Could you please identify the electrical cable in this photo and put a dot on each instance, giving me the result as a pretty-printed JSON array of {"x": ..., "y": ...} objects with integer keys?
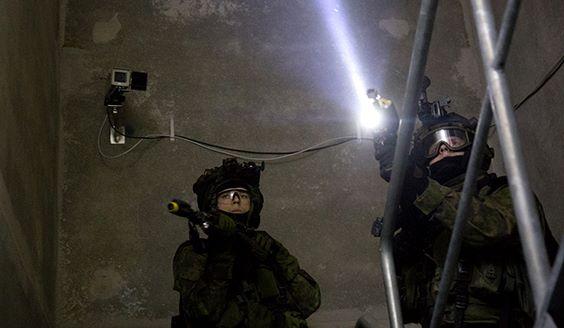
[
  {"x": 218, "y": 148},
  {"x": 262, "y": 152},
  {"x": 547, "y": 77},
  {"x": 120, "y": 154},
  {"x": 286, "y": 154},
  {"x": 315, "y": 147},
  {"x": 203, "y": 143}
]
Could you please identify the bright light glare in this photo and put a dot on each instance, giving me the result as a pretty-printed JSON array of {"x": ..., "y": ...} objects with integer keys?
[
  {"x": 370, "y": 118},
  {"x": 335, "y": 20}
]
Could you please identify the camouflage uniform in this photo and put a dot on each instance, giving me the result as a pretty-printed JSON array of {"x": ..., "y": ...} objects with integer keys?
[
  {"x": 491, "y": 287},
  {"x": 496, "y": 287},
  {"x": 224, "y": 284}
]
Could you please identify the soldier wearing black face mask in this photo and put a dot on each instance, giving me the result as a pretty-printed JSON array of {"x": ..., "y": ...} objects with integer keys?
[
  {"x": 442, "y": 146},
  {"x": 491, "y": 287}
]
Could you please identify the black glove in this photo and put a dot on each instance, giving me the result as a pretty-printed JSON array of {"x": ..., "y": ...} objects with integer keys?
[
  {"x": 391, "y": 119},
  {"x": 385, "y": 137},
  {"x": 384, "y": 149},
  {"x": 222, "y": 223}
]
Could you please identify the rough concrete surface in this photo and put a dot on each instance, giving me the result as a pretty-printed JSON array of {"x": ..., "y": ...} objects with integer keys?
[
  {"x": 29, "y": 134},
  {"x": 263, "y": 75}
]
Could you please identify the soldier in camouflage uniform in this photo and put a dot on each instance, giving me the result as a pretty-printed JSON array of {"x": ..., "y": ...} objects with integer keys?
[
  {"x": 239, "y": 276},
  {"x": 491, "y": 287}
]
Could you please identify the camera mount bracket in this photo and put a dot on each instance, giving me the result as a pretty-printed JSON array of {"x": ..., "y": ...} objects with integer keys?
[{"x": 122, "y": 81}]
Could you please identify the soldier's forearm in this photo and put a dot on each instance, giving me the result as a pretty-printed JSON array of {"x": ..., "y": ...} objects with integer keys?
[
  {"x": 432, "y": 197},
  {"x": 489, "y": 220},
  {"x": 305, "y": 293},
  {"x": 284, "y": 264}
]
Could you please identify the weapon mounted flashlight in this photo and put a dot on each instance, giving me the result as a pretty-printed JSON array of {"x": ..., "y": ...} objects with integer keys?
[
  {"x": 183, "y": 209},
  {"x": 372, "y": 117}
]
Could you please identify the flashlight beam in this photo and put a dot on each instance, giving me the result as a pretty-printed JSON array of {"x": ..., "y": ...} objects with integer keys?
[{"x": 335, "y": 20}]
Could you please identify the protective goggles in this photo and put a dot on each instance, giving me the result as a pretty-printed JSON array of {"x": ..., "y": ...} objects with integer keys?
[
  {"x": 229, "y": 195},
  {"x": 453, "y": 138}
]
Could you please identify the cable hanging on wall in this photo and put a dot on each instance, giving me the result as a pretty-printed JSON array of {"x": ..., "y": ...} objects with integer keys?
[
  {"x": 547, "y": 77},
  {"x": 229, "y": 151},
  {"x": 120, "y": 84}
]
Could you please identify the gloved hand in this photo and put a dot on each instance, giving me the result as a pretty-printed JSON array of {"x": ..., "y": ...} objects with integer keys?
[
  {"x": 261, "y": 245},
  {"x": 390, "y": 119},
  {"x": 384, "y": 149},
  {"x": 385, "y": 136},
  {"x": 223, "y": 224}
]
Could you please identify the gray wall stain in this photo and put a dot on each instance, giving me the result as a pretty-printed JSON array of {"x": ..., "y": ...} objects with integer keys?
[
  {"x": 398, "y": 28},
  {"x": 106, "y": 283},
  {"x": 187, "y": 11},
  {"x": 465, "y": 70},
  {"x": 106, "y": 31}
]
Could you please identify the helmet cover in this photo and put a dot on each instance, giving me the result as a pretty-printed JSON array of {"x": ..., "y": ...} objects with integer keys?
[{"x": 231, "y": 174}]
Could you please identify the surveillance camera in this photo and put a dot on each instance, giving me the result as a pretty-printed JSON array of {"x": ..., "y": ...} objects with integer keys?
[
  {"x": 129, "y": 80},
  {"x": 121, "y": 78}
]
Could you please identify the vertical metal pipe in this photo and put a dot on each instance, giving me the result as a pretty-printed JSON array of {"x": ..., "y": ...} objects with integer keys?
[
  {"x": 416, "y": 71},
  {"x": 464, "y": 205},
  {"x": 476, "y": 156},
  {"x": 523, "y": 202},
  {"x": 506, "y": 33}
]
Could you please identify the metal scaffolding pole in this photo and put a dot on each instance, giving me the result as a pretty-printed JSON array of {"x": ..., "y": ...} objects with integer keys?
[
  {"x": 523, "y": 202},
  {"x": 554, "y": 292},
  {"x": 506, "y": 33},
  {"x": 464, "y": 205},
  {"x": 405, "y": 132},
  {"x": 474, "y": 164}
]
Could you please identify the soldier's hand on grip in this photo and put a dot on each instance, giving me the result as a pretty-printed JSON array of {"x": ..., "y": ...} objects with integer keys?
[{"x": 223, "y": 224}]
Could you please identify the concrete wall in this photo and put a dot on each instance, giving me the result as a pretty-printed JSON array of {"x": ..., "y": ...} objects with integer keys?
[
  {"x": 29, "y": 136},
  {"x": 537, "y": 46},
  {"x": 262, "y": 75}
]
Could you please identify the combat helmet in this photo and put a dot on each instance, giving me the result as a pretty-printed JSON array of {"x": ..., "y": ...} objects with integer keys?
[
  {"x": 231, "y": 174},
  {"x": 440, "y": 127}
]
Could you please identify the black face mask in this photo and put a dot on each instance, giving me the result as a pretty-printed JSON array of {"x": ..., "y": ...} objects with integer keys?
[{"x": 449, "y": 168}]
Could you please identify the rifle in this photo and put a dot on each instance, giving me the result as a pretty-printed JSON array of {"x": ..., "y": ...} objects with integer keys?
[{"x": 206, "y": 222}]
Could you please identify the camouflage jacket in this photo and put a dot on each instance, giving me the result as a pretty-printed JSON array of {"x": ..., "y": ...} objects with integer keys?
[
  {"x": 497, "y": 288},
  {"x": 226, "y": 286}
]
